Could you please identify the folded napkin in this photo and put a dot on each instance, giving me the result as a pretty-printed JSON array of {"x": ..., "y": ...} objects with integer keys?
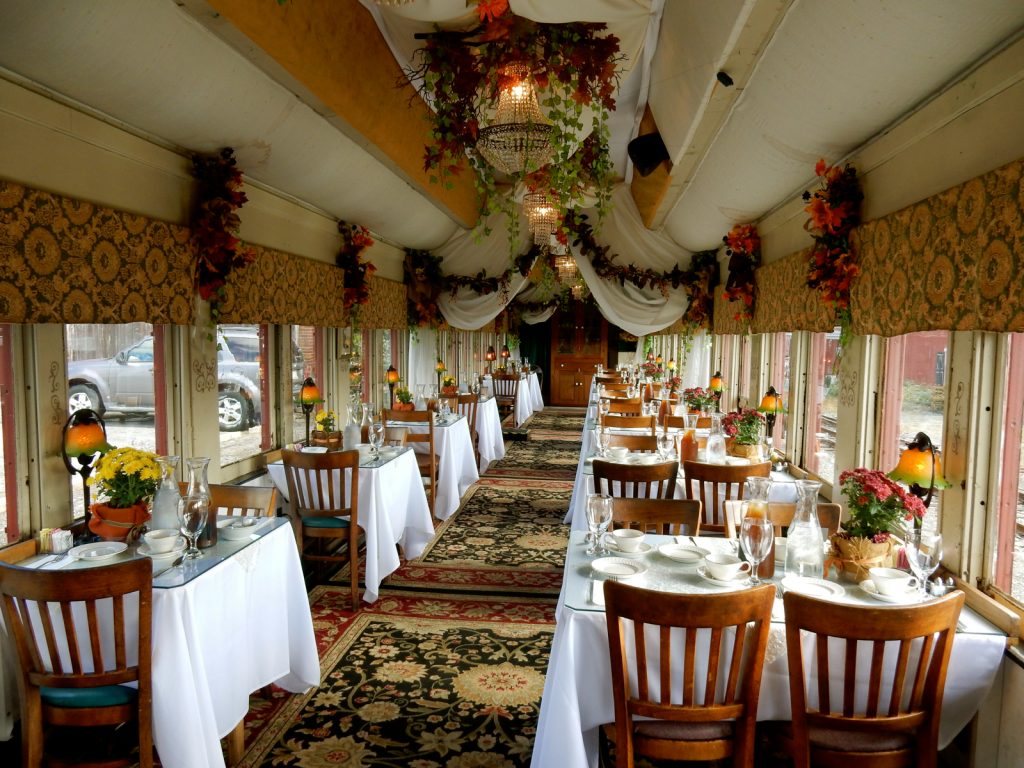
[{"x": 50, "y": 562}]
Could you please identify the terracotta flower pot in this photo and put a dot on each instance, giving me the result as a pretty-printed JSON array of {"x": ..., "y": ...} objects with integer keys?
[
  {"x": 451, "y": 391},
  {"x": 405, "y": 406},
  {"x": 854, "y": 556},
  {"x": 117, "y": 523},
  {"x": 330, "y": 440}
]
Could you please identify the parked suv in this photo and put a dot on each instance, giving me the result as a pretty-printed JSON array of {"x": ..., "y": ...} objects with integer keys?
[{"x": 124, "y": 383}]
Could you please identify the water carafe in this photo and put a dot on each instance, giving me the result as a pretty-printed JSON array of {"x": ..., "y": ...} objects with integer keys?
[
  {"x": 165, "y": 500},
  {"x": 351, "y": 436},
  {"x": 805, "y": 554},
  {"x": 716, "y": 441},
  {"x": 198, "y": 485}
]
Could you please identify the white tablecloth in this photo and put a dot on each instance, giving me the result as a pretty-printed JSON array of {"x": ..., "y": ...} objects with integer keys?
[
  {"x": 393, "y": 510},
  {"x": 456, "y": 463},
  {"x": 488, "y": 430},
  {"x": 577, "y": 696},
  {"x": 536, "y": 398},
  {"x": 525, "y": 398}
]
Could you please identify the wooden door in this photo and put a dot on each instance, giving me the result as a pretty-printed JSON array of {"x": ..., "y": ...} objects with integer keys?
[{"x": 579, "y": 341}]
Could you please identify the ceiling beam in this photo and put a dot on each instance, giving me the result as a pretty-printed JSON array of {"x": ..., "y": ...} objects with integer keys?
[{"x": 332, "y": 56}]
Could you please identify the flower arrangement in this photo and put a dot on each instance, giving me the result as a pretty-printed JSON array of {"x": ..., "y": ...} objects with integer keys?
[
  {"x": 215, "y": 226},
  {"x": 448, "y": 381},
  {"x": 834, "y": 209},
  {"x": 325, "y": 420},
  {"x": 699, "y": 399},
  {"x": 743, "y": 247},
  {"x": 745, "y": 426},
  {"x": 355, "y": 239},
  {"x": 126, "y": 476},
  {"x": 674, "y": 383},
  {"x": 403, "y": 395},
  {"x": 877, "y": 506},
  {"x": 651, "y": 370}
]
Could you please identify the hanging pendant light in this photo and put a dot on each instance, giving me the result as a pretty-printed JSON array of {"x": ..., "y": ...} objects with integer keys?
[
  {"x": 518, "y": 140},
  {"x": 565, "y": 267},
  {"x": 543, "y": 215}
]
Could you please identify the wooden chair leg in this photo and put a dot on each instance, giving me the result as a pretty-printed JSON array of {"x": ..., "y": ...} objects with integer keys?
[
  {"x": 236, "y": 743},
  {"x": 353, "y": 561}
]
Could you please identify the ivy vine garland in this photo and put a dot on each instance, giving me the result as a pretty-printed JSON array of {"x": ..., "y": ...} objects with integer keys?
[
  {"x": 215, "y": 225},
  {"x": 743, "y": 247}
]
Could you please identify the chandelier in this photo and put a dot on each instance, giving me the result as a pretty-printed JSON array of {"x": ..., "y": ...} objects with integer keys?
[
  {"x": 565, "y": 268},
  {"x": 579, "y": 290},
  {"x": 542, "y": 213},
  {"x": 518, "y": 140}
]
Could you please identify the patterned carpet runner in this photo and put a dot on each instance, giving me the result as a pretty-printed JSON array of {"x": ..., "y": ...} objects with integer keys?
[{"x": 447, "y": 667}]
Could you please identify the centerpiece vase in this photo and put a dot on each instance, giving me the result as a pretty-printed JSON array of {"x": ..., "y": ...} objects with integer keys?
[
  {"x": 199, "y": 485},
  {"x": 167, "y": 496}
]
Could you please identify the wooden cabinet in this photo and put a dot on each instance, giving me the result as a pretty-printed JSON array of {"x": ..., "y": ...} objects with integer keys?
[{"x": 579, "y": 341}]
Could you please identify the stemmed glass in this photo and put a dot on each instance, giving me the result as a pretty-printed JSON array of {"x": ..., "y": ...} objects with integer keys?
[
  {"x": 756, "y": 537},
  {"x": 924, "y": 552},
  {"x": 192, "y": 512},
  {"x": 604, "y": 406},
  {"x": 666, "y": 444},
  {"x": 599, "y": 517},
  {"x": 376, "y": 437},
  {"x": 599, "y": 441}
]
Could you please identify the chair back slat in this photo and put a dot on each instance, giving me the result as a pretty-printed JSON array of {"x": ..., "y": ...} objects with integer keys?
[
  {"x": 715, "y": 484},
  {"x": 671, "y": 517},
  {"x": 322, "y": 484},
  {"x": 653, "y": 481},
  {"x": 689, "y": 667},
  {"x": 714, "y": 654},
  {"x": 241, "y": 500},
  {"x": 626, "y": 406},
  {"x": 618, "y": 420}
]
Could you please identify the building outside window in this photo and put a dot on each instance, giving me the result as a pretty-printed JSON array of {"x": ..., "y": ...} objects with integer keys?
[
  {"x": 243, "y": 391},
  {"x": 1009, "y": 565},
  {"x": 307, "y": 360},
  {"x": 822, "y": 401}
]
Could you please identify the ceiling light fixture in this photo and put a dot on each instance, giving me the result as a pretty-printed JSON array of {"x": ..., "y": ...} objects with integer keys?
[
  {"x": 518, "y": 140},
  {"x": 543, "y": 214}
]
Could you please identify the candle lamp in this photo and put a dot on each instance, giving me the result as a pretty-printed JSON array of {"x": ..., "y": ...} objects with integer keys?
[
  {"x": 309, "y": 396},
  {"x": 919, "y": 467},
  {"x": 490, "y": 356},
  {"x": 391, "y": 376},
  {"x": 715, "y": 385},
  {"x": 439, "y": 369},
  {"x": 84, "y": 438},
  {"x": 771, "y": 406}
]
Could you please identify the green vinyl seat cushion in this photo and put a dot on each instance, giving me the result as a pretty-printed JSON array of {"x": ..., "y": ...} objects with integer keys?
[
  {"x": 325, "y": 522},
  {"x": 100, "y": 696}
]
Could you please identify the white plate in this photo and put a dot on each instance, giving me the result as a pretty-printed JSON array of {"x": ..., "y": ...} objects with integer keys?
[
  {"x": 178, "y": 548},
  {"x": 739, "y": 581},
  {"x": 644, "y": 458},
  {"x": 643, "y": 549},
  {"x": 315, "y": 449},
  {"x": 908, "y": 597},
  {"x": 618, "y": 567},
  {"x": 236, "y": 530},
  {"x": 813, "y": 587},
  {"x": 683, "y": 554},
  {"x": 100, "y": 550}
]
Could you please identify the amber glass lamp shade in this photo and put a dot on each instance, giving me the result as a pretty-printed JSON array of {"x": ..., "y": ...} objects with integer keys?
[
  {"x": 440, "y": 367},
  {"x": 490, "y": 355},
  {"x": 650, "y": 357},
  {"x": 659, "y": 359},
  {"x": 671, "y": 365},
  {"x": 504, "y": 352},
  {"x": 771, "y": 402},
  {"x": 392, "y": 375},
  {"x": 920, "y": 468},
  {"x": 84, "y": 434},
  {"x": 309, "y": 395},
  {"x": 715, "y": 385}
]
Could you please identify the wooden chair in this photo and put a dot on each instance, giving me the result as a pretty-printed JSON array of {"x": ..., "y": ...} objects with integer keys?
[
  {"x": 506, "y": 390},
  {"x": 318, "y": 486},
  {"x": 714, "y": 484},
  {"x": 716, "y": 690},
  {"x": 426, "y": 460},
  {"x": 467, "y": 406},
  {"x": 607, "y": 380},
  {"x": 895, "y": 720},
  {"x": 637, "y": 481},
  {"x": 615, "y": 386},
  {"x": 71, "y": 673},
  {"x": 241, "y": 500},
  {"x": 628, "y": 422},
  {"x": 645, "y": 443},
  {"x": 627, "y": 406},
  {"x": 669, "y": 517},
  {"x": 781, "y": 515}
]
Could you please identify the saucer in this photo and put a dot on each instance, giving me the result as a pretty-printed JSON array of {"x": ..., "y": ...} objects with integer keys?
[
  {"x": 643, "y": 549},
  {"x": 813, "y": 587},
  {"x": 692, "y": 556},
  {"x": 100, "y": 550},
  {"x": 177, "y": 549},
  {"x": 739, "y": 581},
  {"x": 644, "y": 458},
  {"x": 910, "y": 596},
  {"x": 617, "y": 567}
]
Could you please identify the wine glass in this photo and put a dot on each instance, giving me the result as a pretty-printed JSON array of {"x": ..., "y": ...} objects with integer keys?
[
  {"x": 599, "y": 517},
  {"x": 599, "y": 441},
  {"x": 666, "y": 444},
  {"x": 756, "y": 537},
  {"x": 192, "y": 512},
  {"x": 924, "y": 552},
  {"x": 376, "y": 437}
]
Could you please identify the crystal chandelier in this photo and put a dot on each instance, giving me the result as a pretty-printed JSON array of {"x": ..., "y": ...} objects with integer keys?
[
  {"x": 579, "y": 290},
  {"x": 518, "y": 140},
  {"x": 565, "y": 268},
  {"x": 543, "y": 216}
]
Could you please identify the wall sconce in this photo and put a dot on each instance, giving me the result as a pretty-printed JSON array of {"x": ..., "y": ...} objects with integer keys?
[
  {"x": 771, "y": 406},
  {"x": 309, "y": 396},
  {"x": 715, "y": 385},
  {"x": 84, "y": 438},
  {"x": 919, "y": 467},
  {"x": 391, "y": 376}
]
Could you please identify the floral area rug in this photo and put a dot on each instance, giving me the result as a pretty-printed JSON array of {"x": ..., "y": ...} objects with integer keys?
[
  {"x": 507, "y": 538},
  {"x": 548, "y": 459},
  {"x": 412, "y": 680},
  {"x": 556, "y": 424}
]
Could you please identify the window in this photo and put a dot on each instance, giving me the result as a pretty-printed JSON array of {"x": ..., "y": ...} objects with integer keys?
[
  {"x": 1009, "y": 566},
  {"x": 780, "y": 379},
  {"x": 243, "y": 391},
  {"x": 307, "y": 360},
  {"x": 822, "y": 398},
  {"x": 113, "y": 369},
  {"x": 8, "y": 457}
]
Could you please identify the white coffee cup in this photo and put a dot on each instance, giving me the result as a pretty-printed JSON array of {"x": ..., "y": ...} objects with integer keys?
[
  {"x": 618, "y": 452},
  {"x": 161, "y": 540},
  {"x": 626, "y": 539},
  {"x": 892, "y": 581},
  {"x": 725, "y": 567}
]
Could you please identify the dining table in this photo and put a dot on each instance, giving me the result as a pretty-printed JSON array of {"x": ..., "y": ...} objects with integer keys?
[
  {"x": 490, "y": 442},
  {"x": 577, "y": 697},
  {"x": 224, "y": 625},
  {"x": 528, "y": 396},
  {"x": 393, "y": 511}
]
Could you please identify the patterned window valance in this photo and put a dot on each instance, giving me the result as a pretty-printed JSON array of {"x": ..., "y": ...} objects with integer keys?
[
  {"x": 785, "y": 303},
  {"x": 724, "y": 319},
  {"x": 386, "y": 307},
  {"x": 68, "y": 261}
]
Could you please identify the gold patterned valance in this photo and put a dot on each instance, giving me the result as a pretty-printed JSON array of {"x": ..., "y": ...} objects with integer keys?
[
  {"x": 285, "y": 289},
  {"x": 386, "y": 307},
  {"x": 784, "y": 302},
  {"x": 952, "y": 262},
  {"x": 69, "y": 261},
  {"x": 724, "y": 319}
]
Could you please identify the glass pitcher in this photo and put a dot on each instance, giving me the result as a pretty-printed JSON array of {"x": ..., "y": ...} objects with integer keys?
[
  {"x": 716, "y": 441},
  {"x": 352, "y": 434},
  {"x": 198, "y": 485},
  {"x": 805, "y": 555},
  {"x": 165, "y": 500}
]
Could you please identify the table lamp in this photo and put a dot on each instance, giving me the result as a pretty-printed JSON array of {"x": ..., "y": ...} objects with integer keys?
[
  {"x": 309, "y": 396},
  {"x": 715, "y": 386},
  {"x": 490, "y": 356},
  {"x": 919, "y": 467},
  {"x": 439, "y": 369},
  {"x": 771, "y": 406},
  {"x": 391, "y": 376},
  {"x": 84, "y": 438}
]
